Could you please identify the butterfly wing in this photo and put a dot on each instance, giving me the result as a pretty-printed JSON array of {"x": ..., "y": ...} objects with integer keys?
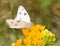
[
  {"x": 17, "y": 24},
  {"x": 10, "y": 22},
  {"x": 22, "y": 15},
  {"x": 22, "y": 19}
]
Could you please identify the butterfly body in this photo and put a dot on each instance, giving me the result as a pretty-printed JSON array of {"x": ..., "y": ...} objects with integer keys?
[{"x": 22, "y": 19}]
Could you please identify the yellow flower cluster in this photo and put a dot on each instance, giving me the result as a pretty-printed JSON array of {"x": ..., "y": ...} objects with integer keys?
[{"x": 33, "y": 36}]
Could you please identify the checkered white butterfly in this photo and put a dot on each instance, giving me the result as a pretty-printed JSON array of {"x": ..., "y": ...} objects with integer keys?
[{"x": 22, "y": 19}]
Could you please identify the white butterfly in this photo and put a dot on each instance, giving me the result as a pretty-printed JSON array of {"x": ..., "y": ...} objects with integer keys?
[{"x": 22, "y": 19}]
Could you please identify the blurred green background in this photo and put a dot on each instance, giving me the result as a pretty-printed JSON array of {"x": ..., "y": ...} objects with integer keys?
[{"x": 45, "y": 12}]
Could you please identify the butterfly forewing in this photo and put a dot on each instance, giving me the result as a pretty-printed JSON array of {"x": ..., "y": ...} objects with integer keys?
[{"x": 22, "y": 15}]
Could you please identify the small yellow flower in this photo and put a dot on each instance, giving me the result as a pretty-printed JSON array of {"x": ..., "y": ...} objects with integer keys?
[
  {"x": 34, "y": 41},
  {"x": 13, "y": 44},
  {"x": 18, "y": 43},
  {"x": 40, "y": 27},
  {"x": 39, "y": 43},
  {"x": 33, "y": 29},
  {"x": 26, "y": 31},
  {"x": 27, "y": 45},
  {"x": 27, "y": 40}
]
